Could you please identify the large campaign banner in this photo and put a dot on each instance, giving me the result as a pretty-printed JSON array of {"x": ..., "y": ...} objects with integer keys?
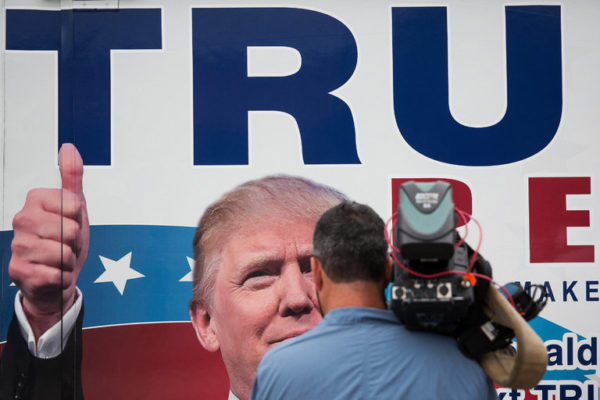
[{"x": 173, "y": 103}]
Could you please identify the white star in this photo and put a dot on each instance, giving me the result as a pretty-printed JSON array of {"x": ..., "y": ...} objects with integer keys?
[
  {"x": 118, "y": 272},
  {"x": 188, "y": 276},
  {"x": 13, "y": 284}
]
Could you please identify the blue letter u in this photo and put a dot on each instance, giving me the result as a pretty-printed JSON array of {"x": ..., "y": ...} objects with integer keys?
[{"x": 534, "y": 87}]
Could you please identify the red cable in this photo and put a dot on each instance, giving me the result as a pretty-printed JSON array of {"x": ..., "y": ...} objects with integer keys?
[
  {"x": 463, "y": 215},
  {"x": 389, "y": 237},
  {"x": 466, "y": 225},
  {"x": 476, "y": 252}
]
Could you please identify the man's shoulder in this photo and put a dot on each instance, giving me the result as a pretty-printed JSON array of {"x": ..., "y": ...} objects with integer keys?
[
  {"x": 305, "y": 349},
  {"x": 366, "y": 350},
  {"x": 299, "y": 344},
  {"x": 341, "y": 331}
]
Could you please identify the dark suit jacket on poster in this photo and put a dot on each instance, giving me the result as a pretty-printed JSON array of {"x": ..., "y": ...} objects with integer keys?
[{"x": 26, "y": 377}]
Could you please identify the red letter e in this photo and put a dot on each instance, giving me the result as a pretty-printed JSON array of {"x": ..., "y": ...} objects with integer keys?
[{"x": 549, "y": 219}]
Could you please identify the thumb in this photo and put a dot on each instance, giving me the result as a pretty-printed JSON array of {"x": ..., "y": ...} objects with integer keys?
[{"x": 71, "y": 168}]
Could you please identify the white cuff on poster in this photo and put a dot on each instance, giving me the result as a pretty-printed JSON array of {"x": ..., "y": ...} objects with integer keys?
[{"x": 48, "y": 345}]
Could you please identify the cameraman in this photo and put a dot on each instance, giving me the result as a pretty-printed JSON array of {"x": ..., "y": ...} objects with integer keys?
[{"x": 360, "y": 350}]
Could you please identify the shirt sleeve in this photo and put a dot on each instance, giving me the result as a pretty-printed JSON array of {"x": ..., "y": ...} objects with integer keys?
[{"x": 48, "y": 345}]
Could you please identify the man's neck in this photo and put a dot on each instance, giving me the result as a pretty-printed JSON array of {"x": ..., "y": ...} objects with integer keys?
[{"x": 353, "y": 294}]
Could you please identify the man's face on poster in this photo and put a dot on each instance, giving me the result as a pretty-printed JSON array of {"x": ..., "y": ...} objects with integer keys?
[{"x": 263, "y": 294}]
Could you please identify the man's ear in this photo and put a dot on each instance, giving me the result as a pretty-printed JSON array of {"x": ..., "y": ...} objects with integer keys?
[
  {"x": 389, "y": 270},
  {"x": 317, "y": 272},
  {"x": 204, "y": 326}
]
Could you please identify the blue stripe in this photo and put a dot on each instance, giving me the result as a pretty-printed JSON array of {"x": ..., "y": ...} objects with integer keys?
[{"x": 158, "y": 252}]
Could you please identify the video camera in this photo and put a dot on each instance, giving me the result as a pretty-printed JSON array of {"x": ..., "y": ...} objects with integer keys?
[
  {"x": 431, "y": 293},
  {"x": 440, "y": 283}
]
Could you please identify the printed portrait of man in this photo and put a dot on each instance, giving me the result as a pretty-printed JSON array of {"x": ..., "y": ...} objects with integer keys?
[
  {"x": 253, "y": 286},
  {"x": 252, "y": 283}
]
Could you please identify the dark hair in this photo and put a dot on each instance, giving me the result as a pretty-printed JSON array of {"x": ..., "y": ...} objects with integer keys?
[{"x": 349, "y": 241}]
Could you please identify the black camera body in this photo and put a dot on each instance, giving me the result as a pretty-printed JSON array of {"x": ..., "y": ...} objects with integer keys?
[
  {"x": 432, "y": 288},
  {"x": 425, "y": 237},
  {"x": 437, "y": 304}
]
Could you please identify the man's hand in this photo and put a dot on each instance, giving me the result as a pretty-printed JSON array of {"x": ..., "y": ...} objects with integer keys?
[{"x": 50, "y": 245}]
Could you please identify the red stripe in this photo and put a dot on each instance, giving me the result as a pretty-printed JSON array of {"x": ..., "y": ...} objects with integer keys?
[{"x": 150, "y": 361}]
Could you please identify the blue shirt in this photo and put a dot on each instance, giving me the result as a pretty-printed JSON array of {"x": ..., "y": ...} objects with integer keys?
[{"x": 365, "y": 353}]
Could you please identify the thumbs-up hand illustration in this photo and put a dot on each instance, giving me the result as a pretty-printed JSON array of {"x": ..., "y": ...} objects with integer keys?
[{"x": 50, "y": 245}]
